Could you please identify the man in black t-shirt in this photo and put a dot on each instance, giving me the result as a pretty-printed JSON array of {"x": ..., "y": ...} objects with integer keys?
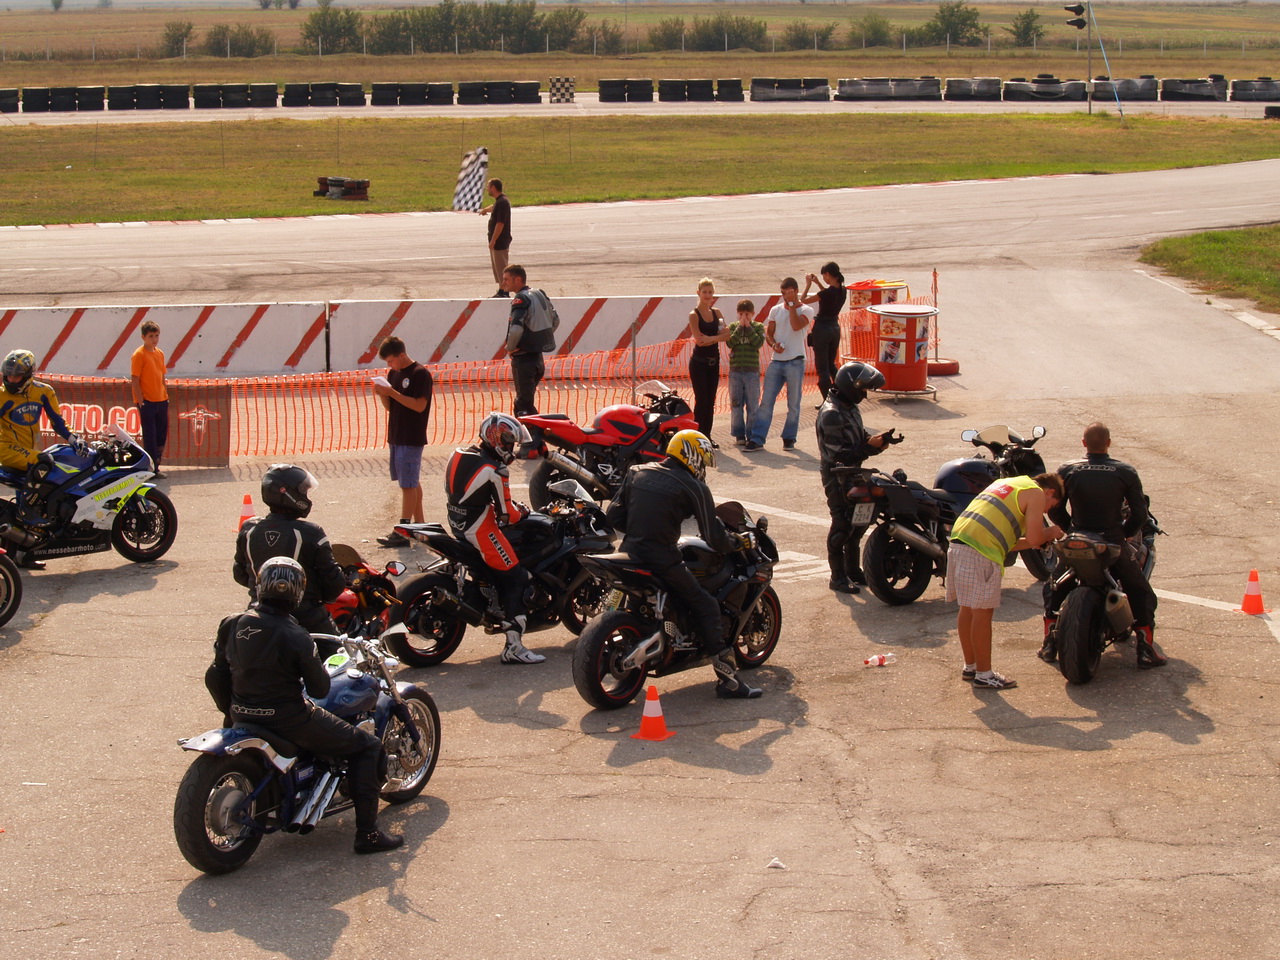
[
  {"x": 499, "y": 233},
  {"x": 408, "y": 404}
]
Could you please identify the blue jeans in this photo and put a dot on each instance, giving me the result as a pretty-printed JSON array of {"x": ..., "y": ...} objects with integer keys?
[
  {"x": 744, "y": 394},
  {"x": 781, "y": 372}
]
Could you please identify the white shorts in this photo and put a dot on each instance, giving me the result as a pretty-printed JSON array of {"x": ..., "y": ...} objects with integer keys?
[{"x": 972, "y": 579}]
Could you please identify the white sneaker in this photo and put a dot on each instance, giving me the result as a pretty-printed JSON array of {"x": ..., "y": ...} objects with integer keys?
[{"x": 517, "y": 652}]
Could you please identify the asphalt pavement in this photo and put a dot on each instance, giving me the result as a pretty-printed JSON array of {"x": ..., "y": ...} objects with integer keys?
[{"x": 851, "y": 812}]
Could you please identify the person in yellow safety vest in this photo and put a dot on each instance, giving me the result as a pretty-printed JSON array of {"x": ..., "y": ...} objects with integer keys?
[{"x": 1005, "y": 517}]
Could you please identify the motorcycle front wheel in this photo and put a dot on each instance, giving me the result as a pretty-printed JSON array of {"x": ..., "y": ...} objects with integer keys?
[
  {"x": 10, "y": 589},
  {"x": 756, "y": 642},
  {"x": 585, "y": 600},
  {"x": 1040, "y": 562},
  {"x": 598, "y": 673},
  {"x": 896, "y": 573},
  {"x": 209, "y": 812},
  {"x": 434, "y": 633},
  {"x": 145, "y": 527},
  {"x": 1082, "y": 635},
  {"x": 412, "y": 763}
]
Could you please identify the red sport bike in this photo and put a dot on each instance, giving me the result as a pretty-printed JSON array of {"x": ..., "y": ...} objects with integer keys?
[{"x": 598, "y": 456}]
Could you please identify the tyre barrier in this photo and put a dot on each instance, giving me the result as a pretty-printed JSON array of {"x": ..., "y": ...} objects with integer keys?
[
  {"x": 8, "y": 99},
  {"x": 1146, "y": 87},
  {"x": 561, "y": 89},
  {"x": 639, "y": 90},
  {"x": 324, "y": 94},
  {"x": 471, "y": 92},
  {"x": 790, "y": 88},
  {"x": 439, "y": 94},
  {"x": 206, "y": 96},
  {"x": 673, "y": 91},
  {"x": 263, "y": 95},
  {"x": 730, "y": 90},
  {"x": 414, "y": 94},
  {"x": 146, "y": 96},
  {"x": 35, "y": 99},
  {"x": 175, "y": 96},
  {"x": 972, "y": 88},
  {"x": 700, "y": 90},
  {"x": 342, "y": 188},
  {"x": 1262, "y": 89},
  {"x": 1271, "y": 113},
  {"x": 1043, "y": 87},
  {"x": 1211, "y": 88},
  {"x": 122, "y": 97},
  {"x": 382, "y": 94},
  {"x": 62, "y": 99},
  {"x": 499, "y": 92},
  {"x": 889, "y": 88},
  {"x": 296, "y": 95}
]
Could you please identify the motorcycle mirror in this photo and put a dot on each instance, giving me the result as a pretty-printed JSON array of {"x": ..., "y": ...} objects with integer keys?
[
  {"x": 395, "y": 568},
  {"x": 1038, "y": 432},
  {"x": 968, "y": 436}
]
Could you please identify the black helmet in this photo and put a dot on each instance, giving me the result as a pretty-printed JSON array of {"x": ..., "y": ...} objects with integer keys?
[
  {"x": 19, "y": 363},
  {"x": 287, "y": 489},
  {"x": 282, "y": 580},
  {"x": 855, "y": 378}
]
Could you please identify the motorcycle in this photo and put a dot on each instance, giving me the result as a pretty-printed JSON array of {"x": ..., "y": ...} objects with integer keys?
[
  {"x": 364, "y": 608},
  {"x": 73, "y": 504},
  {"x": 249, "y": 781},
  {"x": 1096, "y": 613},
  {"x": 621, "y": 436},
  {"x": 642, "y": 631},
  {"x": 1011, "y": 456},
  {"x": 455, "y": 588}
]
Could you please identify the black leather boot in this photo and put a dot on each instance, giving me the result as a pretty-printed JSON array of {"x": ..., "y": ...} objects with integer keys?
[
  {"x": 1049, "y": 649},
  {"x": 729, "y": 683},
  {"x": 1149, "y": 655},
  {"x": 375, "y": 841}
]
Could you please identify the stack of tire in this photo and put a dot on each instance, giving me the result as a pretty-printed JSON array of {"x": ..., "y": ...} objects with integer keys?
[
  {"x": 206, "y": 96},
  {"x": 673, "y": 91},
  {"x": 8, "y": 99},
  {"x": 413, "y": 94},
  {"x": 790, "y": 88},
  {"x": 384, "y": 94},
  {"x": 35, "y": 99},
  {"x": 613, "y": 91},
  {"x": 122, "y": 97},
  {"x": 351, "y": 95},
  {"x": 173, "y": 96},
  {"x": 263, "y": 95},
  {"x": 972, "y": 88},
  {"x": 324, "y": 93},
  {"x": 235, "y": 96},
  {"x": 296, "y": 95},
  {"x": 526, "y": 91},
  {"x": 1262, "y": 89},
  {"x": 471, "y": 93},
  {"x": 501, "y": 92},
  {"x": 62, "y": 99},
  {"x": 730, "y": 91},
  {"x": 702, "y": 91},
  {"x": 1214, "y": 87},
  {"x": 90, "y": 98},
  {"x": 639, "y": 90},
  {"x": 439, "y": 94},
  {"x": 1044, "y": 87},
  {"x": 146, "y": 96},
  {"x": 1145, "y": 87}
]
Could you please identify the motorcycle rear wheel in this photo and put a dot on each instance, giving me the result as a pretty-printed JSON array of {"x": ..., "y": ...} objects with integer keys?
[
  {"x": 1082, "y": 635},
  {"x": 756, "y": 642},
  {"x": 545, "y": 474},
  {"x": 145, "y": 527},
  {"x": 412, "y": 763},
  {"x": 211, "y": 794},
  {"x": 597, "y": 670},
  {"x": 896, "y": 573},
  {"x": 434, "y": 634},
  {"x": 10, "y": 589}
]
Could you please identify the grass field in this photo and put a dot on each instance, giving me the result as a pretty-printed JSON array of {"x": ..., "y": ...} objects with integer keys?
[
  {"x": 267, "y": 168},
  {"x": 1231, "y": 263}
]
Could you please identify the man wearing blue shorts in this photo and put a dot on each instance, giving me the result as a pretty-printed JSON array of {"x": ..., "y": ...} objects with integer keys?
[{"x": 408, "y": 403}]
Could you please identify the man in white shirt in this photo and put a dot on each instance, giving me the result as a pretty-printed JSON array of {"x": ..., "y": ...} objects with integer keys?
[{"x": 785, "y": 334}]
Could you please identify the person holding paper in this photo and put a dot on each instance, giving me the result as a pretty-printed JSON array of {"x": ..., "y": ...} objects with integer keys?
[{"x": 406, "y": 396}]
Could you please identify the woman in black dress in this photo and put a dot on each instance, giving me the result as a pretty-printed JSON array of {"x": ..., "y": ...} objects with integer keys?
[
  {"x": 824, "y": 337},
  {"x": 708, "y": 330}
]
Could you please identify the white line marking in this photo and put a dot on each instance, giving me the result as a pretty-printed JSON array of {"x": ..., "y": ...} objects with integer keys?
[
  {"x": 760, "y": 508},
  {"x": 1272, "y": 624}
]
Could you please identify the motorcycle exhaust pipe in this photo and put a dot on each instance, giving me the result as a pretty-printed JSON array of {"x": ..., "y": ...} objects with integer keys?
[
  {"x": 300, "y": 818},
  {"x": 915, "y": 540},
  {"x": 318, "y": 810},
  {"x": 21, "y": 537},
  {"x": 456, "y": 605},
  {"x": 578, "y": 472},
  {"x": 1118, "y": 611}
]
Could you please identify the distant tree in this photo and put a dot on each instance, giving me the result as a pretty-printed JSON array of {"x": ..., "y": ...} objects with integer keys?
[
  {"x": 294, "y": 4},
  {"x": 956, "y": 20},
  {"x": 332, "y": 30},
  {"x": 104, "y": 4},
  {"x": 871, "y": 30},
  {"x": 668, "y": 34},
  {"x": 56, "y": 4},
  {"x": 715, "y": 33},
  {"x": 1026, "y": 28},
  {"x": 265, "y": 4},
  {"x": 176, "y": 38},
  {"x": 803, "y": 35},
  {"x": 605, "y": 36},
  {"x": 562, "y": 25}
]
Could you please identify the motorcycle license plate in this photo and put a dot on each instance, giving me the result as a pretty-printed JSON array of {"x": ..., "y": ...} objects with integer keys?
[{"x": 863, "y": 513}]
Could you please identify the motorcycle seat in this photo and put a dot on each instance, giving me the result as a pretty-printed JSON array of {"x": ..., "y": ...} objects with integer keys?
[
  {"x": 282, "y": 746},
  {"x": 945, "y": 496}
]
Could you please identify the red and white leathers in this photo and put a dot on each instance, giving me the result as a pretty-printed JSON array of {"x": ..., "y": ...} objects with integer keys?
[{"x": 478, "y": 488}]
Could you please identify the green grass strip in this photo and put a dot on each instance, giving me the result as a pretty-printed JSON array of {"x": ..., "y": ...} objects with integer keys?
[
  {"x": 257, "y": 168},
  {"x": 1231, "y": 263}
]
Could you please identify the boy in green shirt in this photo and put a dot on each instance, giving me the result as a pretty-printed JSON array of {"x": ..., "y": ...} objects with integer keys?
[{"x": 746, "y": 337}]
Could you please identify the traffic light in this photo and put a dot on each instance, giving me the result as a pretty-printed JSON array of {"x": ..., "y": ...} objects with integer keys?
[{"x": 1078, "y": 20}]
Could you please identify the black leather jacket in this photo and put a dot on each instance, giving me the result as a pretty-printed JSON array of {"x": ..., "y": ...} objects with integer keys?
[
  {"x": 280, "y": 535},
  {"x": 842, "y": 439},
  {"x": 261, "y": 661},
  {"x": 655, "y": 499},
  {"x": 1097, "y": 488}
]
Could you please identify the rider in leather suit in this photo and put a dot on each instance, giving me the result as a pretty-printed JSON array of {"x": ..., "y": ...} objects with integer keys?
[
  {"x": 261, "y": 660},
  {"x": 1097, "y": 489},
  {"x": 287, "y": 490},
  {"x": 477, "y": 484},
  {"x": 651, "y": 505},
  {"x": 844, "y": 442}
]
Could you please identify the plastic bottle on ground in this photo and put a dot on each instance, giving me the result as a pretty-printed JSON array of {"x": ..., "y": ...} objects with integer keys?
[{"x": 880, "y": 659}]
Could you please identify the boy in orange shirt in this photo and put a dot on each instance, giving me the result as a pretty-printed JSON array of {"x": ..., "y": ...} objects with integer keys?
[{"x": 149, "y": 393}]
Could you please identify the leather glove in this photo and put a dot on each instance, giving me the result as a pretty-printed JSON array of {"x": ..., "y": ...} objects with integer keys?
[
  {"x": 746, "y": 541},
  {"x": 79, "y": 445}
]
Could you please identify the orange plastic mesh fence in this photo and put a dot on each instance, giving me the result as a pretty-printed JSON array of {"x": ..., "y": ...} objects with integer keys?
[{"x": 302, "y": 414}]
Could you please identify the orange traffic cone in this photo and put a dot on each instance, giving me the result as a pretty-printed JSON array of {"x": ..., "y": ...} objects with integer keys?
[
  {"x": 1252, "y": 602},
  {"x": 246, "y": 512},
  {"x": 652, "y": 726}
]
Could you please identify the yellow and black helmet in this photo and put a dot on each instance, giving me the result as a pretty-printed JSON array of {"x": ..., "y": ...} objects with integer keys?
[
  {"x": 694, "y": 450},
  {"x": 21, "y": 365}
]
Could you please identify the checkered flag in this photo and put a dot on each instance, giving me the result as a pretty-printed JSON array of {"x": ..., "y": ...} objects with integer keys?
[{"x": 469, "y": 193}]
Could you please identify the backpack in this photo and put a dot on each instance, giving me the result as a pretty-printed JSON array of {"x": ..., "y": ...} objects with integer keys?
[{"x": 540, "y": 324}]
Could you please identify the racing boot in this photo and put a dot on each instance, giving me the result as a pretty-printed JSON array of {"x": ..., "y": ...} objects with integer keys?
[
  {"x": 1048, "y": 651},
  {"x": 729, "y": 684},
  {"x": 515, "y": 650},
  {"x": 375, "y": 841},
  {"x": 857, "y": 577},
  {"x": 1149, "y": 655}
]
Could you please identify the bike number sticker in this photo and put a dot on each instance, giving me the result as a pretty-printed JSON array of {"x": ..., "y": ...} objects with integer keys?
[{"x": 863, "y": 513}]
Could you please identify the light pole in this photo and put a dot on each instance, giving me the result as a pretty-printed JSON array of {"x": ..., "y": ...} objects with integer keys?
[{"x": 1083, "y": 20}]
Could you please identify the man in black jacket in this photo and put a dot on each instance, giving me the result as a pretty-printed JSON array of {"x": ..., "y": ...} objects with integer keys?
[
  {"x": 1097, "y": 490},
  {"x": 261, "y": 660},
  {"x": 655, "y": 499},
  {"x": 530, "y": 334},
  {"x": 287, "y": 490},
  {"x": 843, "y": 442}
]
